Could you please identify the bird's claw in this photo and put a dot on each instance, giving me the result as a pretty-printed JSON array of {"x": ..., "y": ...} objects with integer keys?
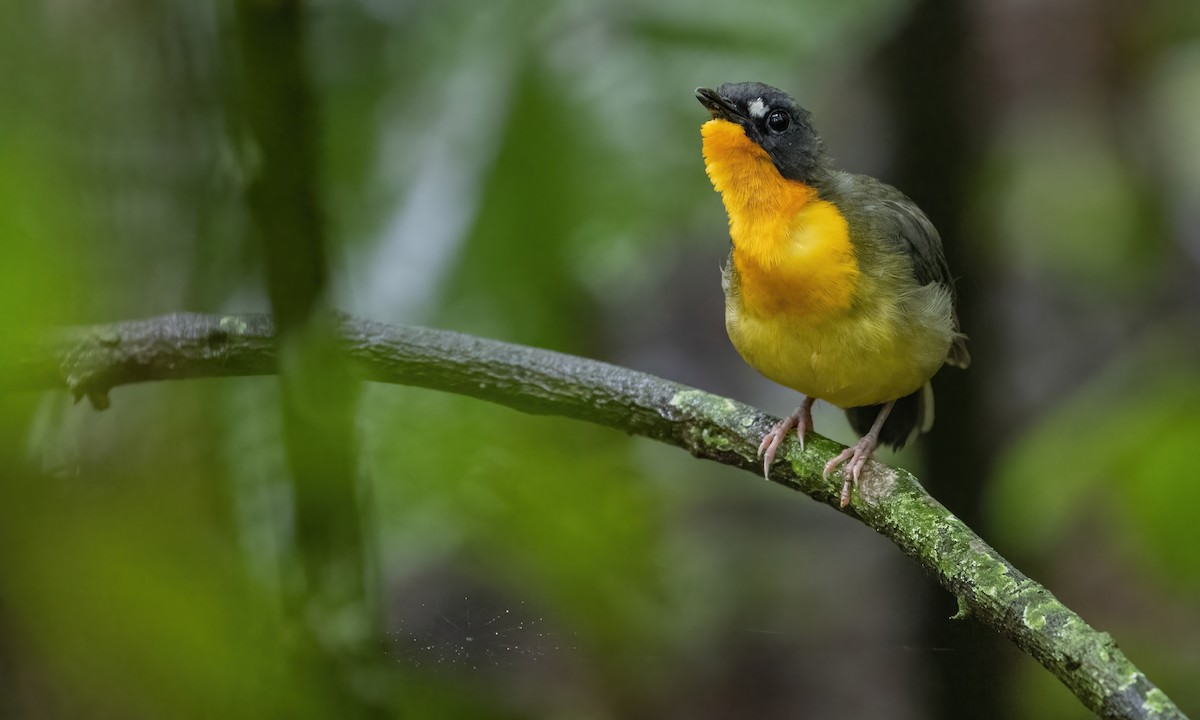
[
  {"x": 801, "y": 420},
  {"x": 853, "y": 459},
  {"x": 771, "y": 441}
]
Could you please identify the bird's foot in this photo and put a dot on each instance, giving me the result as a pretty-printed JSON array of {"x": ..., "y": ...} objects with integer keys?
[
  {"x": 801, "y": 420},
  {"x": 852, "y": 460}
]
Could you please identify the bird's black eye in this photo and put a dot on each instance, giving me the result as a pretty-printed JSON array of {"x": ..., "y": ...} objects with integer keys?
[{"x": 778, "y": 121}]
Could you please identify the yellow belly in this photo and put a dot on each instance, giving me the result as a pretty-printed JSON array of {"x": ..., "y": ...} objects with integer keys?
[{"x": 849, "y": 361}]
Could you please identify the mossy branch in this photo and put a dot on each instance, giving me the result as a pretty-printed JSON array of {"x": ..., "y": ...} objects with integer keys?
[{"x": 89, "y": 361}]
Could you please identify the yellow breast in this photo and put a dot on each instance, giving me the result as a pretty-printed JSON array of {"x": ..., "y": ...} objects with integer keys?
[
  {"x": 792, "y": 251},
  {"x": 791, "y": 306}
]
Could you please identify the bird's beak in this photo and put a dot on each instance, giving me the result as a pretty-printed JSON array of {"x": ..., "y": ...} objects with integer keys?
[{"x": 718, "y": 107}]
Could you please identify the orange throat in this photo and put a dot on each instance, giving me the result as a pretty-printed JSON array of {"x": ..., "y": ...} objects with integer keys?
[{"x": 792, "y": 250}]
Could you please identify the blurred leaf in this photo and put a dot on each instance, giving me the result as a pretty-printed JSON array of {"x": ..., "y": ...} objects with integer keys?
[
  {"x": 547, "y": 508},
  {"x": 1071, "y": 203},
  {"x": 40, "y": 225},
  {"x": 1123, "y": 446},
  {"x": 514, "y": 259},
  {"x": 146, "y": 615}
]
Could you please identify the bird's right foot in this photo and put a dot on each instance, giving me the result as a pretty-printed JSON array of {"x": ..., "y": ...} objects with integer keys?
[{"x": 801, "y": 420}]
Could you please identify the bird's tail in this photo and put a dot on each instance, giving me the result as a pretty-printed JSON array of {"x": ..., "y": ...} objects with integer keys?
[{"x": 911, "y": 416}]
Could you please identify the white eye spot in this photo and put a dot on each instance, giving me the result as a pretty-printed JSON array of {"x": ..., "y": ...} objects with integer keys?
[{"x": 757, "y": 108}]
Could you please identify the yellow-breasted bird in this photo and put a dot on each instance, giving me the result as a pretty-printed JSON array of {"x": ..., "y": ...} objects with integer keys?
[{"x": 836, "y": 284}]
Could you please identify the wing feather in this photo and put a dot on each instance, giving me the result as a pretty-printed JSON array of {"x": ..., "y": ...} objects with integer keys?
[{"x": 897, "y": 219}]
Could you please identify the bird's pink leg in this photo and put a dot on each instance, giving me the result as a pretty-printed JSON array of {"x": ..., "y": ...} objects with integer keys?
[
  {"x": 801, "y": 420},
  {"x": 854, "y": 458}
]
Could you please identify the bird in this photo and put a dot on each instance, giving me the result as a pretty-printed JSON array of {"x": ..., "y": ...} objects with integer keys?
[{"x": 836, "y": 284}]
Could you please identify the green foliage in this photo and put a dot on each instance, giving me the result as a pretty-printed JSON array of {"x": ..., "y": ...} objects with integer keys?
[
  {"x": 146, "y": 616},
  {"x": 528, "y": 171},
  {"x": 1073, "y": 206},
  {"x": 1131, "y": 495},
  {"x": 1139, "y": 421}
]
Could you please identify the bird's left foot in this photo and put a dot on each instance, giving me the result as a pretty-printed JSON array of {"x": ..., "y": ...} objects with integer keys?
[{"x": 852, "y": 459}]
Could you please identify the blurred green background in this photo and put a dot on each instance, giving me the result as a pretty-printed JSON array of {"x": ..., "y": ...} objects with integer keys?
[{"x": 530, "y": 171}]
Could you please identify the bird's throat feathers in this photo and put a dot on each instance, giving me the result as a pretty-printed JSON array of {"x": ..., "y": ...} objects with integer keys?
[{"x": 791, "y": 249}]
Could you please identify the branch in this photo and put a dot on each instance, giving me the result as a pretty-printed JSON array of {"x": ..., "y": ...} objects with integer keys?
[{"x": 90, "y": 360}]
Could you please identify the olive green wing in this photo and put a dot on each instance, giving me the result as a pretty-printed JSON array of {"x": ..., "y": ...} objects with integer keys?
[
  {"x": 924, "y": 246},
  {"x": 894, "y": 218}
]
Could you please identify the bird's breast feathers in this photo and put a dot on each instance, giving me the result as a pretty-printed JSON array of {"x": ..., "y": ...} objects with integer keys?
[
  {"x": 812, "y": 319},
  {"x": 793, "y": 252}
]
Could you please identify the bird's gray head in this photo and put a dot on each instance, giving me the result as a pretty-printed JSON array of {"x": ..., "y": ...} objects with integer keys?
[{"x": 773, "y": 120}]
